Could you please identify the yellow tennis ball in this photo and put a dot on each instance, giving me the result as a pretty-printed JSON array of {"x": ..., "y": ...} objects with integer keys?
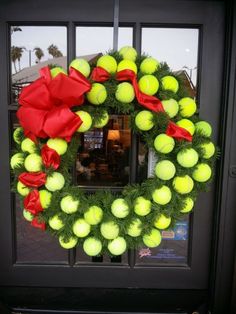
[
  {"x": 117, "y": 246},
  {"x": 127, "y": 65},
  {"x": 22, "y": 189},
  {"x": 144, "y": 120},
  {"x": 187, "y": 125},
  {"x": 97, "y": 95},
  {"x": 33, "y": 163},
  {"x": 162, "y": 222},
  {"x": 165, "y": 170},
  {"x": 58, "y": 144},
  {"x": 103, "y": 121},
  {"x": 202, "y": 173},
  {"x": 164, "y": 143},
  {"x": 81, "y": 228},
  {"x": 135, "y": 227},
  {"x": 17, "y": 134},
  {"x": 55, "y": 181},
  {"x": 27, "y": 145},
  {"x": 69, "y": 243},
  {"x": 17, "y": 160},
  {"x": 183, "y": 185},
  {"x": 87, "y": 121},
  {"x": 92, "y": 246},
  {"x": 128, "y": 53},
  {"x": 187, "y": 158},
  {"x": 153, "y": 238},
  {"x": 162, "y": 195},
  {"x": 208, "y": 150},
  {"x": 171, "y": 107},
  {"x": 187, "y": 107},
  {"x": 170, "y": 83},
  {"x": 81, "y": 65},
  {"x": 55, "y": 222},
  {"x": 108, "y": 63},
  {"x": 57, "y": 70},
  {"x": 149, "y": 65},
  {"x": 204, "y": 128},
  {"x": 148, "y": 84},
  {"x": 125, "y": 93},
  {"x": 188, "y": 205}
]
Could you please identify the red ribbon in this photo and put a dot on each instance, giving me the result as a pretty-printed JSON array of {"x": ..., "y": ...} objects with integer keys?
[
  {"x": 32, "y": 202},
  {"x": 40, "y": 225},
  {"x": 45, "y": 104},
  {"x": 50, "y": 157},
  {"x": 150, "y": 102},
  {"x": 33, "y": 179}
]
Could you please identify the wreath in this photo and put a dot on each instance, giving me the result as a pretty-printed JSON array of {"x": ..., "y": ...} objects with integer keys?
[{"x": 54, "y": 111}]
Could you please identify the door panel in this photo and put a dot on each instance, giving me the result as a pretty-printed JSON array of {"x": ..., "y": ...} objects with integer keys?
[{"x": 127, "y": 271}]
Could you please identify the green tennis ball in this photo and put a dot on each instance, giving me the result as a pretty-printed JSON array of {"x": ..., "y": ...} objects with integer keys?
[
  {"x": 149, "y": 65},
  {"x": 202, "y": 173},
  {"x": 165, "y": 170},
  {"x": 28, "y": 146},
  {"x": 109, "y": 230},
  {"x": 57, "y": 70},
  {"x": 22, "y": 189},
  {"x": 135, "y": 228},
  {"x": 127, "y": 65},
  {"x": 187, "y": 125},
  {"x": 17, "y": 160},
  {"x": 170, "y": 83},
  {"x": 55, "y": 181},
  {"x": 148, "y": 84},
  {"x": 142, "y": 206},
  {"x": 152, "y": 239},
  {"x": 125, "y": 92},
  {"x": 55, "y": 222},
  {"x": 117, "y": 246},
  {"x": 108, "y": 63},
  {"x": 102, "y": 122},
  {"x": 45, "y": 198},
  {"x": 81, "y": 65},
  {"x": 204, "y": 128},
  {"x": 171, "y": 107},
  {"x": 208, "y": 150},
  {"x": 93, "y": 215},
  {"x": 162, "y": 195},
  {"x": 81, "y": 228},
  {"x": 187, "y": 158},
  {"x": 120, "y": 208},
  {"x": 164, "y": 143},
  {"x": 92, "y": 246},
  {"x": 144, "y": 120},
  {"x": 33, "y": 163},
  {"x": 188, "y": 206},
  {"x": 97, "y": 95},
  {"x": 69, "y": 205},
  {"x": 27, "y": 215},
  {"x": 68, "y": 244},
  {"x": 17, "y": 132},
  {"x": 162, "y": 222},
  {"x": 183, "y": 185},
  {"x": 58, "y": 144},
  {"x": 128, "y": 53},
  {"x": 87, "y": 121},
  {"x": 187, "y": 107}
]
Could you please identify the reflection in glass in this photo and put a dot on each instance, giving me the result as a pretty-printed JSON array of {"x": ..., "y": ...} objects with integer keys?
[
  {"x": 173, "y": 249},
  {"x": 100, "y": 39},
  {"x": 103, "y": 158},
  {"x": 33, "y": 47},
  {"x": 176, "y": 46}
]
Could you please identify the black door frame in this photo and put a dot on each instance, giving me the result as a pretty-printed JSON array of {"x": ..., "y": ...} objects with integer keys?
[{"x": 224, "y": 234}]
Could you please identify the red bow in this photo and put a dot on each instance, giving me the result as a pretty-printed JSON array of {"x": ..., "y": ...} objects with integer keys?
[
  {"x": 33, "y": 179},
  {"x": 50, "y": 157},
  {"x": 150, "y": 102},
  {"x": 45, "y": 104},
  {"x": 32, "y": 202}
]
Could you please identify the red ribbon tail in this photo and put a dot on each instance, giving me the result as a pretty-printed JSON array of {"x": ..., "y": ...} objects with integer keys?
[
  {"x": 32, "y": 202},
  {"x": 33, "y": 179},
  {"x": 40, "y": 225},
  {"x": 50, "y": 157},
  {"x": 177, "y": 132},
  {"x": 100, "y": 75}
]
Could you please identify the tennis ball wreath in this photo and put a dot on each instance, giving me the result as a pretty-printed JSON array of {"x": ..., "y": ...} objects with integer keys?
[{"x": 162, "y": 113}]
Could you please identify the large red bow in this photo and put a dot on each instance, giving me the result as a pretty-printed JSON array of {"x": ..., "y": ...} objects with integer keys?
[
  {"x": 45, "y": 104},
  {"x": 150, "y": 102}
]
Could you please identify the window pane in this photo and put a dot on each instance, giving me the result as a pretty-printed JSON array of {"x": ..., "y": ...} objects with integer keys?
[
  {"x": 176, "y": 46},
  {"x": 33, "y": 47},
  {"x": 103, "y": 157}
]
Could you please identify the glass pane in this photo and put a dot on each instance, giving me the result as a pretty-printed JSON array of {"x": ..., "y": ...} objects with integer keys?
[
  {"x": 33, "y": 47},
  {"x": 34, "y": 245},
  {"x": 176, "y": 46},
  {"x": 100, "y": 40},
  {"x": 103, "y": 157},
  {"x": 173, "y": 249}
]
